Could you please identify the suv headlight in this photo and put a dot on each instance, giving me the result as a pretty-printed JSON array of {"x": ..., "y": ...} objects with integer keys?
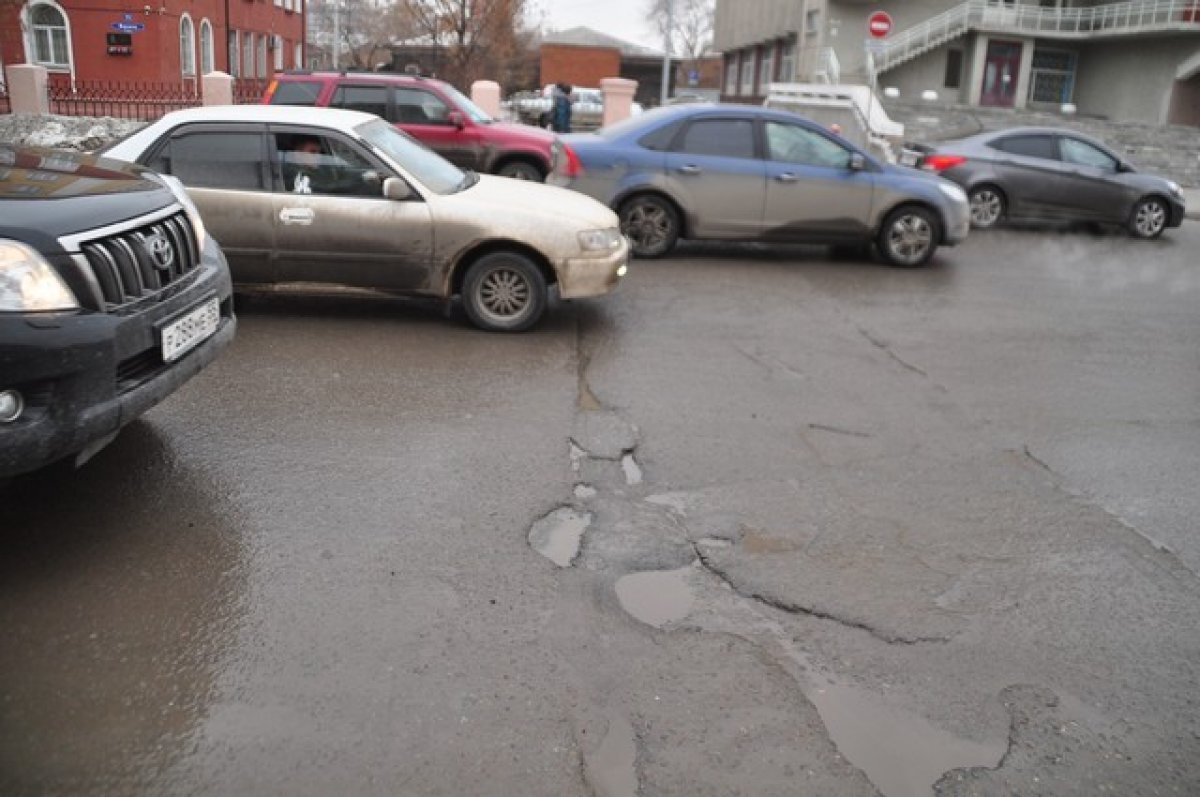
[
  {"x": 29, "y": 283},
  {"x": 193, "y": 212},
  {"x": 600, "y": 240}
]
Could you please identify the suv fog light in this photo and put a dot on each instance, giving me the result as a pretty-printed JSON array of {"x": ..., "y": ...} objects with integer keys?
[{"x": 11, "y": 405}]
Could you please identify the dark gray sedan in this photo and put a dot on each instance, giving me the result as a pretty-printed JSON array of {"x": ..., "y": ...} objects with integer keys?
[
  {"x": 1047, "y": 174},
  {"x": 749, "y": 173}
]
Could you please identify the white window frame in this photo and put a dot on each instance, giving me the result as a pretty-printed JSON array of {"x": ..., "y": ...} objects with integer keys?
[
  {"x": 235, "y": 53},
  {"x": 765, "y": 65},
  {"x": 261, "y": 62},
  {"x": 207, "y": 53},
  {"x": 31, "y": 35},
  {"x": 187, "y": 45},
  {"x": 248, "y": 57},
  {"x": 787, "y": 63},
  {"x": 298, "y": 56},
  {"x": 731, "y": 76},
  {"x": 747, "y": 73},
  {"x": 280, "y": 46}
]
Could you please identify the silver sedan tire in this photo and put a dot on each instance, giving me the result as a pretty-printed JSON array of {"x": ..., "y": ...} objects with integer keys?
[
  {"x": 908, "y": 236},
  {"x": 504, "y": 292},
  {"x": 1149, "y": 218},
  {"x": 987, "y": 206},
  {"x": 651, "y": 224}
]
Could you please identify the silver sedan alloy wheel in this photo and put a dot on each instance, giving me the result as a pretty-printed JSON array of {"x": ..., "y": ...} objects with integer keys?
[
  {"x": 504, "y": 293},
  {"x": 986, "y": 207},
  {"x": 1150, "y": 218},
  {"x": 648, "y": 226},
  {"x": 909, "y": 238}
]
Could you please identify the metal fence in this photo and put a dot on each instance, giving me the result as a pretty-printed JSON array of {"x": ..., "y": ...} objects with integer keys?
[
  {"x": 249, "y": 90},
  {"x": 146, "y": 101}
]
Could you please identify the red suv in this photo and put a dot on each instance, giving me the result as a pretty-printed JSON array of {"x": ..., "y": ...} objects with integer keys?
[{"x": 431, "y": 111}]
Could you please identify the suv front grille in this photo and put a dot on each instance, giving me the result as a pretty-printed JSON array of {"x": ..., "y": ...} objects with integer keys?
[{"x": 140, "y": 262}]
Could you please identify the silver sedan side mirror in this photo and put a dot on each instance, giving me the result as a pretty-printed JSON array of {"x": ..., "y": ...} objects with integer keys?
[
  {"x": 857, "y": 162},
  {"x": 395, "y": 188}
]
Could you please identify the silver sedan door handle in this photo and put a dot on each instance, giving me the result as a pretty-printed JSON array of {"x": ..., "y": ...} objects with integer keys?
[
  {"x": 303, "y": 216},
  {"x": 689, "y": 169},
  {"x": 786, "y": 177}
]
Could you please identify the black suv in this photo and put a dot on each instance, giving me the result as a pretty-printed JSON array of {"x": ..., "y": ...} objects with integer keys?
[{"x": 111, "y": 296}]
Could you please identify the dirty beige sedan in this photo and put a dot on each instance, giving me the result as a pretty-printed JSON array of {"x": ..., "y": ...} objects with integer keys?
[{"x": 302, "y": 196}]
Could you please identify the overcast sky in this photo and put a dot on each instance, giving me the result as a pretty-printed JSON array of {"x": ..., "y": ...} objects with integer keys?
[{"x": 625, "y": 19}]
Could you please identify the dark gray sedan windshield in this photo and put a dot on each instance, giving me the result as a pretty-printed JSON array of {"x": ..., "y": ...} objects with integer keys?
[{"x": 430, "y": 169}]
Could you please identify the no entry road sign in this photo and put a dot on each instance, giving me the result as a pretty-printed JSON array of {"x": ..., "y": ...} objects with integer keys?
[{"x": 879, "y": 24}]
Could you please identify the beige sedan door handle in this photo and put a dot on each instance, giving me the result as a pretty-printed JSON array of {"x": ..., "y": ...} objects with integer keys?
[
  {"x": 297, "y": 215},
  {"x": 786, "y": 177}
]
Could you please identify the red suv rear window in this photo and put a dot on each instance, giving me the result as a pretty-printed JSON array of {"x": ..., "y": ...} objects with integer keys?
[{"x": 296, "y": 92}]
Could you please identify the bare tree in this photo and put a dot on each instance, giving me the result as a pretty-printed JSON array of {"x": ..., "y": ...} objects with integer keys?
[
  {"x": 480, "y": 38},
  {"x": 691, "y": 25},
  {"x": 366, "y": 31}
]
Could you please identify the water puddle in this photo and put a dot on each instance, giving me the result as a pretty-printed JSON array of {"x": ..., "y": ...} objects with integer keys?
[
  {"x": 902, "y": 753},
  {"x": 558, "y": 535},
  {"x": 633, "y": 471},
  {"x": 657, "y": 597},
  {"x": 611, "y": 770}
]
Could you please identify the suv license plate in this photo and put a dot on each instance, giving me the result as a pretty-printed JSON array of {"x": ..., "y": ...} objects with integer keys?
[{"x": 189, "y": 330}]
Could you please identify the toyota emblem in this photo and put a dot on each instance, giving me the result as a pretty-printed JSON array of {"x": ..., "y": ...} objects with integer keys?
[{"x": 160, "y": 252}]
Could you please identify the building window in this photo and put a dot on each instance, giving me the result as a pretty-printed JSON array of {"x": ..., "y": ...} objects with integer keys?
[
  {"x": 235, "y": 56},
  {"x": 262, "y": 56},
  {"x": 206, "y": 47},
  {"x": 812, "y": 22},
  {"x": 50, "y": 36},
  {"x": 1053, "y": 78},
  {"x": 954, "y": 65},
  {"x": 787, "y": 63},
  {"x": 187, "y": 46},
  {"x": 731, "y": 83},
  {"x": 765, "y": 65},
  {"x": 747, "y": 74},
  {"x": 298, "y": 57},
  {"x": 248, "y": 55},
  {"x": 279, "y": 47}
]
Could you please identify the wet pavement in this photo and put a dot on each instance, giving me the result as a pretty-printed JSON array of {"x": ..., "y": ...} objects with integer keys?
[{"x": 760, "y": 523}]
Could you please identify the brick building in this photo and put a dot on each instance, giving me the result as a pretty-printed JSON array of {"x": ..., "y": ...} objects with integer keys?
[
  {"x": 167, "y": 41},
  {"x": 583, "y": 57}
]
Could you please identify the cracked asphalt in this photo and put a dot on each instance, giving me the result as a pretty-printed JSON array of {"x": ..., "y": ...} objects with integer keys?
[{"x": 761, "y": 523}]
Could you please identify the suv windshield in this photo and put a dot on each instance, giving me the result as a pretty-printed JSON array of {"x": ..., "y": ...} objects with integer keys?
[
  {"x": 476, "y": 113},
  {"x": 432, "y": 170}
]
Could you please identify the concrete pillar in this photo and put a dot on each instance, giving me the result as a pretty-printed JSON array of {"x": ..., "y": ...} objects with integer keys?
[
  {"x": 975, "y": 73},
  {"x": 618, "y": 98},
  {"x": 486, "y": 94},
  {"x": 1025, "y": 77},
  {"x": 27, "y": 88},
  {"x": 218, "y": 88}
]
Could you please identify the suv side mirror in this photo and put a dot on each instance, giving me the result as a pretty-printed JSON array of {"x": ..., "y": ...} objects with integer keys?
[
  {"x": 857, "y": 162},
  {"x": 1124, "y": 166},
  {"x": 457, "y": 119},
  {"x": 397, "y": 189}
]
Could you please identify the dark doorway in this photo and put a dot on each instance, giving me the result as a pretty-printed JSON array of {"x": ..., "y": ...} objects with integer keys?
[{"x": 1000, "y": 73}]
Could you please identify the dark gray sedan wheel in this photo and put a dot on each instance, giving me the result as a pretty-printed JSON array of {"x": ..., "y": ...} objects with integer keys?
[
  {"x": 651, "y": 225},
  {"x": 908, "y": 237},
  {"x": 987, "y": 206},
  {"x": 504, "y": 292},
  {"x": 521, "y": 170},
  {"x": 1149, "y": 218}
]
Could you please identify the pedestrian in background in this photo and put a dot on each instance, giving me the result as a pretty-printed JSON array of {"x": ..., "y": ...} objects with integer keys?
[{"x": 561, "y": 110}]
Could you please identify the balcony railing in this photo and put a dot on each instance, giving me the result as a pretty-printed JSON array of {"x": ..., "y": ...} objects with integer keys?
[{"x": 1110, "y": 19}]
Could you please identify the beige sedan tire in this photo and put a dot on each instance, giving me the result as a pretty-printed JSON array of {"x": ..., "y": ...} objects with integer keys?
[{"x": 504, "y": 292}]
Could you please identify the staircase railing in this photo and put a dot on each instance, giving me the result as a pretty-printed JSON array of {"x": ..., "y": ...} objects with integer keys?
[{"x": 1110, "y": 19}]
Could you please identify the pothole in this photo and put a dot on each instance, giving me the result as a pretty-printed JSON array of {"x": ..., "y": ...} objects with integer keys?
[
  {"x": 612, "y": 770},
  {"x": 657, "y": 597},
  {"x": 558, "y": 535}
]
